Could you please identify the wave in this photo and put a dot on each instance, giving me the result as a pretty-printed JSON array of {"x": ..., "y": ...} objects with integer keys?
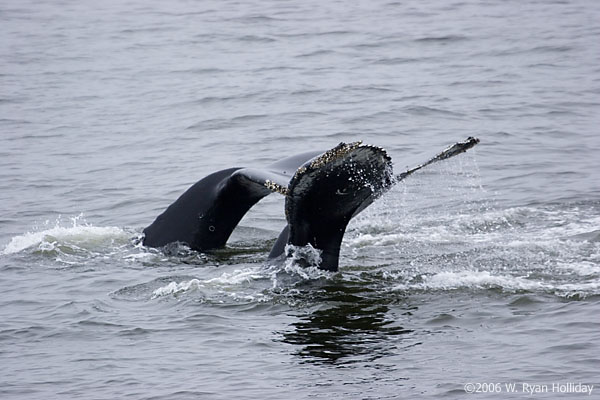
[
  {"x": 412, "y": 240},
  {"x": 257, "y": 283},
  {"x": 79, "y": 236},
  {"x": 446, "y": 281}
]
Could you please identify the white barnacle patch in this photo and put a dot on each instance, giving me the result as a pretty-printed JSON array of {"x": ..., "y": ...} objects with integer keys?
[
  {"x": 336, "y": 153},
  {"x": 276, "y": 187},
  {"x": 359, "y": 162}
]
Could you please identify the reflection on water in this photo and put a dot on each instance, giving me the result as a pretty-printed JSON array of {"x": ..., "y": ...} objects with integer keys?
[{"x": 352, "y": 327}]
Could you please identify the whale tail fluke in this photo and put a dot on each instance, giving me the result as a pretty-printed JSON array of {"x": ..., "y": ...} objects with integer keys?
[
  {"x": 328, "y": 191},
  {"x": 323, "y": 191},
  {"x": 205, "y": 215}
]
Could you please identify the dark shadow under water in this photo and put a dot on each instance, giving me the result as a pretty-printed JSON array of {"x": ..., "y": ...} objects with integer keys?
[{"x": 353, "y": 325}]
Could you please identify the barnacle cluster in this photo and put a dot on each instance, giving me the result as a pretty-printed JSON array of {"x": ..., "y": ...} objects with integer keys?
[
  {"x": 276, "y": 187},
  {"x": 338, "y": 152}
]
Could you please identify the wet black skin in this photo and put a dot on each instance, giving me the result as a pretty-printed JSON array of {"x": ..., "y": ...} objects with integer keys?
[
  {"x": 319, "y": 203},
  {"x": 323, "y": 192}
]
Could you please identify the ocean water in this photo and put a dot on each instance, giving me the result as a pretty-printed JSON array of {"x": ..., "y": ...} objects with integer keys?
[{"x": 474, "y": 274}]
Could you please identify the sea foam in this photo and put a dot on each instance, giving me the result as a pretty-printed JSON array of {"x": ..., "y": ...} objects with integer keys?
[{"x": 80, "y": 235}]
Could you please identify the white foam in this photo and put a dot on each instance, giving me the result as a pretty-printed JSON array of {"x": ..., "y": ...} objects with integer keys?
[
  {"x": 227, "y": 281},
  {"x": 307, "y": 273},
  {"x": 486, "y": 280},
  {"x": 174, "y": 288},
  {"x": 82, "y": 235},
  {"x": 472, "y": 279},
  {"x": 237, "y": 277},
  {"x": 369, "y": 239},
  {"x": 306, "y": 256},
  {"x": 581, "y": 289},
  {"x": 583, "y": 268},
  {"x": 233, "y": 283}
]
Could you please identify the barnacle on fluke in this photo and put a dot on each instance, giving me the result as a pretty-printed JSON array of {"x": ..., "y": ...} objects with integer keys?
[
  {"x": 337, "y": 152},
  {"x": 276, "y": 187},
  {"x": 329, "y": 190}
]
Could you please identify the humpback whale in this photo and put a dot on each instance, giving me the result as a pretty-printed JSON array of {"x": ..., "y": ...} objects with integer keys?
[{"x": 323, "y": 191}]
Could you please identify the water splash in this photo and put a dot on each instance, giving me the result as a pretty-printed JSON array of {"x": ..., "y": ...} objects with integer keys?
[
  {"x": 440, "y": 232},
  {"x": 79, "y": 237},
  {"x": 440, "y": 243},
  {"x": 174, "y": 288},
  {"x": 303, "y": 256}
]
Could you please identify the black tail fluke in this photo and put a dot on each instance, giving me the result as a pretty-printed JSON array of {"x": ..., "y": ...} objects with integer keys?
[
  {"x": 323, "y": 191},
  {"x": 204, "y": 216},
  {"x": 328, "y": 191}
]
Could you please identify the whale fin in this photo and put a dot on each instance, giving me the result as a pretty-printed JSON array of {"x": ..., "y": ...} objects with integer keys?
[
  {"x": 451, "y": 151},
  {"x": 327, "y": 191},
  {"x": 207, "y": 213}
]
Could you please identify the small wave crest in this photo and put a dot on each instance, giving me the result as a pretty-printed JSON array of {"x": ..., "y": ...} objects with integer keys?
[
  {"x": 469, "y": 279},
  {"x": 78, "y": 237},
  {"x": 174, "y": 288},
  {"x": 449, "y": 280},
  {"x": 256, "y": 283}
]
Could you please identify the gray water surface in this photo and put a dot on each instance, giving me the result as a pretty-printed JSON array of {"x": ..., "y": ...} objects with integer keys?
[{"x": 482, "y": 269}]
